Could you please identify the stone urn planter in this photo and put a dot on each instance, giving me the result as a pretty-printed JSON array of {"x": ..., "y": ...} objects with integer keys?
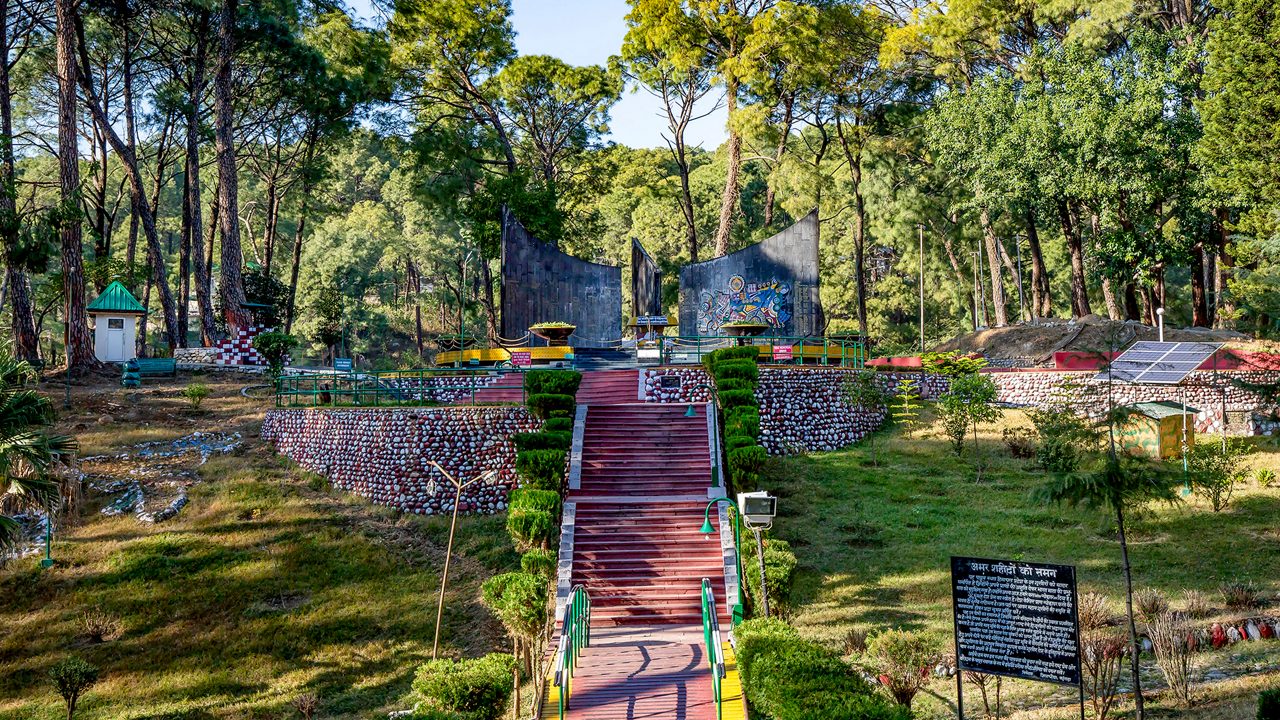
[{"x": 556, "y": 334}]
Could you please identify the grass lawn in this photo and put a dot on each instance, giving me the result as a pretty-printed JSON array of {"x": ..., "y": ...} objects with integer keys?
[
  {"x": 268, "y": 585},
  {"x": 874, "y": 538}
]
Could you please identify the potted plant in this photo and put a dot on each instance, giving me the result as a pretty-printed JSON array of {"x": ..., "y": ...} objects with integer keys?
[{"x": 555, "y": 333}]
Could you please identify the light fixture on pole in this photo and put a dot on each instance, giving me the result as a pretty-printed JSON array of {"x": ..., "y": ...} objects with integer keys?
[
  {"x": 920, "y": 227},
  {"x": 448, "y": 553},
  {"x": 1160, "y": 323},
  {"x": 757, "y": 510}
]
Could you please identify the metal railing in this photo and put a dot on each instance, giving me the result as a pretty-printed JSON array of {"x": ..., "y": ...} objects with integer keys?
[
  {"x": 575, "y": 634},
  {"x": 395, "y": 388},
  {"x": 789, "y": 350},
  {"x": 711, "y": 636}
]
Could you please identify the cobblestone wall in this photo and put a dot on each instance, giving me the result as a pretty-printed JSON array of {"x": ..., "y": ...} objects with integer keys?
[{"x": 382, "y": 454}]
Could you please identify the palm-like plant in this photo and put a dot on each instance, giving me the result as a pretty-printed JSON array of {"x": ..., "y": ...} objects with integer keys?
[
  {"x": 1119, "y": 483},
  {"x": 29, "y": 453}
]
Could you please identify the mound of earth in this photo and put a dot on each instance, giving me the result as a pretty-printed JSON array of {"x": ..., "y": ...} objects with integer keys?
[{"x": 1091, "y": 333}]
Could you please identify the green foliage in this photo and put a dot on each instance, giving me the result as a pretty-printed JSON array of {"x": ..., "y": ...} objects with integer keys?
[
  {"x": 735, "y": 370},
  {"x": 540, "y": 562},
  {"x": 541, "y": 469},
  {"x": 274, "y": 348},
  {"x": 531, "y": 528},
  {"x": 744, "y": 466},
  {"x": 558, "y": 425},
  {"x": 951, "y": 364},
  {"x": 1064, "y": 438},
  {"x": 727, "y": 384},
  {"x": 731, "y": 399},
  {"x": 729, "y": 354},
  {"x": 72, "y": 677},
  {"x": 1020, "y": 442},
  {"x": 906, "y": 402},
  {"x": 742, "y": 421},
  {"x": 553, "y": 382},
  {"x": 547, "y": 501},
  {"x": 195, "y": 393},
  {"x": 734, "y": 442},
  {"x": 263, "y": 289},
  {"x": 787, "y": 678},
  {"x": 542, "y": 441},
  {"x": 479, "y": 688},
  {"x": 904, "y": 658},
  {"x": 969, "y": 401},
  {"x": 779, "y": 571},
  {"x": 1269, "y": 704},
  {"x": 1215, "y": 468},
  {"x": 864, "y": 390},
  {"x": 520, "y": 602},
  {"x": 552, "y": 405}
]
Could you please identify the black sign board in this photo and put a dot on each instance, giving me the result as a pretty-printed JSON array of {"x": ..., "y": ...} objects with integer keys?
[{"x": 1016, "y": 619}]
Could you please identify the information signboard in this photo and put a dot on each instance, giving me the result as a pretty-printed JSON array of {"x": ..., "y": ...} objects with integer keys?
[
  {"x": 783, "y": 352},
  {"x": 521, "y": 358},
  {"x": 1016, "y": 619},
  {"x": 342, "y": 364}
]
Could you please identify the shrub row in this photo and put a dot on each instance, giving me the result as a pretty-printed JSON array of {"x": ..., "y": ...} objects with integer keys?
[
  {"x": 477, "y": 689},
  {"x": 736, "y": 376},
  {"x": 788, "y": 678},
  {"x": 779, "y": 571}
]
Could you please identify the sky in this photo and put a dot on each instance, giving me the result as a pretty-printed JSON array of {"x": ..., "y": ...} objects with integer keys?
[{"x": 587, "y": 32}]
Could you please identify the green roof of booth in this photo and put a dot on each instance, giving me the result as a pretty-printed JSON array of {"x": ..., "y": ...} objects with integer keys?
[{"x": 116, "y": 298}]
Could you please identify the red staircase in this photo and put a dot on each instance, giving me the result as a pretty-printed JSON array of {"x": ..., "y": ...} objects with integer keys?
[
  {"x": 639, "y": 551},
  {"x": 508, "y": 388}
]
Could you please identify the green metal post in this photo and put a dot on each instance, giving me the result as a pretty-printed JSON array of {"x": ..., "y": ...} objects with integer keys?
[{"x": 47, "y": 562}]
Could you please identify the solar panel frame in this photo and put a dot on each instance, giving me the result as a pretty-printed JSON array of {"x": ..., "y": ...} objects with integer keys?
[{"x": 1158, "y": 363}]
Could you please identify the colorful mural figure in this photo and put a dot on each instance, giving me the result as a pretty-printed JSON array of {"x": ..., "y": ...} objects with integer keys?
[{"x": 767, "y": 303}]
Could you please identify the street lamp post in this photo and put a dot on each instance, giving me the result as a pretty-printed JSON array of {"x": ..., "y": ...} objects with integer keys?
[
  {"x": 755, "y": 530},
  {"x": 448, "y": 553},
  {"x": 47, "y": 562}
]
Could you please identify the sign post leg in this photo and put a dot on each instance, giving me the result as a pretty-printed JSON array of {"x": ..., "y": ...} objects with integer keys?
[
  {"x": 959, "y": 686},
  {"x": 1082, "y": 697}
]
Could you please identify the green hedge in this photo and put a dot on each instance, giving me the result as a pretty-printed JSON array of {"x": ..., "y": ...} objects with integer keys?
[
  {"x": 779, "y": 571},
  {"x": 541, "y": 469},
  {"x": 734, "y": 384},
  {"x": 744, "y": 421},
  {"x": 542, "y": 440},
  {"x": 735, "y": 370},
  {"x": 531, "y": 528},
  {"x": 553, "y": 382},
  {"x": 547, "y": 501},
  {"x": 745, "y": 352},
  {"x": 559, "y": 424},
  {"x": 480, "y": 688},
  {"x": 1269, "y": 704},
  {"x": 552, "y": 405},
  {"x": 539, "y": 562},
  {"x": 733, "y": 442},
  {"x": 730, "y": 399},
  {"x": 788, "y": 678}
]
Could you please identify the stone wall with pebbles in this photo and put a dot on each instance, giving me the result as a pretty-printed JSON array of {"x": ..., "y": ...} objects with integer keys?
[
  {"x": 383, "y": 454},
  {"x": 681, "y": 384}
]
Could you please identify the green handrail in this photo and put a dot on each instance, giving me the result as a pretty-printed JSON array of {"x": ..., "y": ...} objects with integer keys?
[
  {"x": 711, "y": 636},
  {"x": 842, "y": 352},
  {"x": 575, "y": 634},
  {"x": 378, "y": 388}
]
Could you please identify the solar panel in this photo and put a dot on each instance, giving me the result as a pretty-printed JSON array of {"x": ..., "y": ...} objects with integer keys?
[{"x": 1158, "y": 363}]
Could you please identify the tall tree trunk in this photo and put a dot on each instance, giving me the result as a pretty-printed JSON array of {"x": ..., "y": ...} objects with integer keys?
[
  {"x": 1109, "y": 297},
  {"x": 729, "y": 200},
  {"x": 231, "y": 289},
  {"x": 79, "y": 343},
  {"x": 273, "y": 214},
  {"x": 993, "y": 265},
  {"x": 26, "y": 344},
  {"x": 1199, "y": 300},
  {"x": 1131, "y": 310},
  {"x": 789, "y": 104},
  {"x": 1041, "y": 299},
  {"x": 1224, "y": 307},
  {"x": 296, "y": 261},
  {"x": 1075, "y": 247},
  {"x": 184, "y": 261},
  {"x": 200, "y": 270}
]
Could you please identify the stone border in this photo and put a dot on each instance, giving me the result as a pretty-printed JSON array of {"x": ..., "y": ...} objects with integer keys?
[
  {"x": 575, "y": 449},
  {"x": 564, "y": 562}
]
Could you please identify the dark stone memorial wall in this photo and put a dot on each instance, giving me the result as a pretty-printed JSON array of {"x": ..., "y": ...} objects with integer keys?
[
  {"x": 774, "y": 282},
  {"x": 542, "y": 284},
  {"x": 646, "y": 283}
]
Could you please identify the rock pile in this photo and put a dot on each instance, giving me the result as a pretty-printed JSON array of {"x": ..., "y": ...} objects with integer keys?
[{"x": 383, "y": 454}]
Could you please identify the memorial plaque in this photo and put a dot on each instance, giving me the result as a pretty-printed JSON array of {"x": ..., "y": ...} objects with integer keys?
[
  {"x": 521, "y": 358},
  {"x": 783, "y": 353},
  {"x": 342, "y": 364},
  {"x": 1016, "y": 619}
]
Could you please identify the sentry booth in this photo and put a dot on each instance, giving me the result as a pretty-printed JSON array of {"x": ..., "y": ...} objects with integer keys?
[{"x": 114, "y": 315}]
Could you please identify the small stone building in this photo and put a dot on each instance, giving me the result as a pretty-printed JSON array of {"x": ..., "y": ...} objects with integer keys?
[
  {"x": 114, "y": 315},
  {"x": 1155, "y": 429}
]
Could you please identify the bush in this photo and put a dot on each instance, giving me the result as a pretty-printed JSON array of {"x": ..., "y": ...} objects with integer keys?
[
  {"x": 745, "y": 464},
  {"x": 951, "y": 364},
  {"x": 553, "y": 382},
  {"x": 274, "y": 347},
  {"x": 552, "y": 405},
  {"x": 541, "y": 469},
  {"x": 1240, "y": 596},
  {"x": 100, "y": 626},
  {"x": 1196, "y": 604},
  {"x": 734, "y": 384},
  {"x": 902, "y": 659},
  {"x": 786, "y": 678},
  {"x": 547, "y": 501},
  {"x": 1149, "y": 604},
  {"x": 735, "y": 370},
  {"x": 734, "y": 442},
  {"x": 542, "y": 441},
  {"x": 731, "y": 399},
  {"x": 1064, "y": 436},
  {"x": 746, "y": 352},
  {"x": 531, "y": 528},
  {"x": 72, "y": 677},
  {"x": 195, "y": 393},
  {"x": 559, "y": 424},
  {"x": 479, "y": 687},
  {"x": 1215, "y": 470},
  {"x": 1269, "y": 704},
  {"x": 779, "y": 571},
  {"x": 742, "y": 421},
  {"x": 1021, "y": 442},
  {"x": 520, "y": 602},
  {"x": 539, "y": 562}
]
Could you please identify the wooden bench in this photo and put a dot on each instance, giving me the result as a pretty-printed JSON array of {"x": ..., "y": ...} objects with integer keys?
[{"x": 157, "y": 366}]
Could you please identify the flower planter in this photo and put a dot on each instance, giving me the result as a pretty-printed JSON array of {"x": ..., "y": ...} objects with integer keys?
[{"x": 555, "y": 335}]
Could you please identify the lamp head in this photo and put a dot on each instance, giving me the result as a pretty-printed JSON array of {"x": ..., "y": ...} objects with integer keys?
[
  {"x": 690, "y": 412},
  {"x": 706, "y": 527}
]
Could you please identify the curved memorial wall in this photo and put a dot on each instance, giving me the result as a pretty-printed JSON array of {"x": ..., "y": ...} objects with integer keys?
[
  {"x": 773, "y": 282},
  {"x": 542, "y": 284}
]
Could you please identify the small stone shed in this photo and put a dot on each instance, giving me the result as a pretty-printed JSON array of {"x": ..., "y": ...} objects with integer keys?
[
  {"x": 114, "y": 314},
  {"x": 1155, "y": 428}
]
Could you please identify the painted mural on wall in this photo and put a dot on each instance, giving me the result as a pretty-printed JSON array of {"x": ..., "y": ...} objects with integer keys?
[{"x": 768, "y": 303}]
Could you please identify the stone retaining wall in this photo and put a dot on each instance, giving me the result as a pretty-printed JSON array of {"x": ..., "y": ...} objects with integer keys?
[{"x": 382, "y": 454}]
